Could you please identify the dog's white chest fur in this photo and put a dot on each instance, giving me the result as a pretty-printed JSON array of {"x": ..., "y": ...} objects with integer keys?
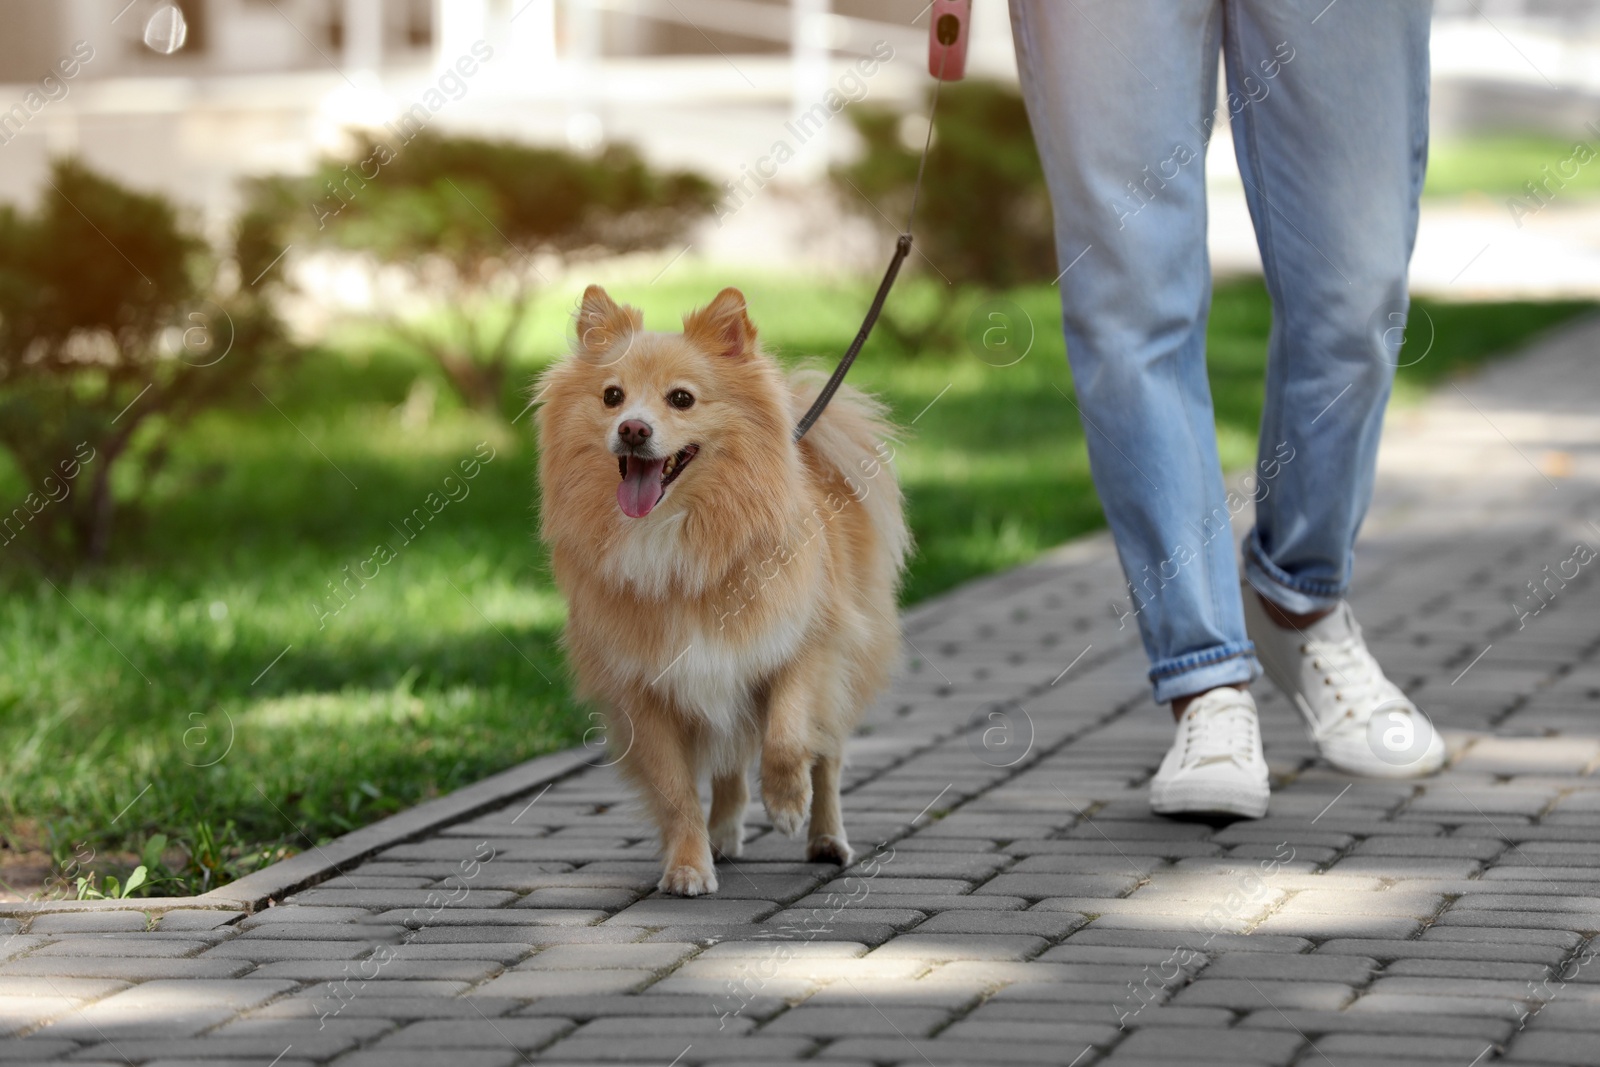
[
  {"x": 650, "y": 558},
  {"x": 717, "y": 678}
]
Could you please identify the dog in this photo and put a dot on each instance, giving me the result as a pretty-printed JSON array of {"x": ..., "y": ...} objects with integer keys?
[{"x": 731, "y": 592}]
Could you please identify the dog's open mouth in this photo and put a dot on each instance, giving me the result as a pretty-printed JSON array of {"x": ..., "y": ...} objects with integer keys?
[{"x": 645, "y": 481}]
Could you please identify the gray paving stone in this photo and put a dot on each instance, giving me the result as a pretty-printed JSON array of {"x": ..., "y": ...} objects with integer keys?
[
  {"x": 824, "y": 1022},
  {"x": 462, "y": 952},
  {"x": 1053, "y": 925},
  {"x": 1312, "y": 967},
  {"x": 1040, "y": 886},
  {"x": 755, "y": 1049},
  {"x": 572, "y": 897},
  {"x": 165, "y": 1008},
  {"x": 390, "y": 976},
  {"x": 393, "y": 1057},
  {"x": 309, "y": 1044},
  {"x": 658, "y": 956},
  {"x": 607, "y": 1006},
  {"x": 183, "y": 920},
  {"x": 105, "y": 948},
  {"x": 425, "y": 918},
  {"x": 1584, "y": 922},
  {"x": 530, "y": 985},
  {"x": 1249, "y": 994},
  {"x": 644, "y": 1026},
  {"x": 1418, "y": 1004},
  {"x": 131, "y": 968},
  {"x": 938, "y": 1052},
  {"x": 1398, "y": 1046},
  {"x": 520, "y": 1034},
  {"x": 947, "y": 947},
  {"x": 33, "y": 1049},
  {"x": 265, "y": 950},
  {"x": 1183, "y": 1044},
  {"x": 1022, "y": 1002},
  {"x": 367, "y": 932},
  {"x": 928, "y": 904},
  {"x": 746, "y": 881},
  {"x": 527, "y": 935},
  {"x": 86, "y": 922},
  {"x": 289, "y": 913},
  {"x": 285, "y": 1031},
  {"x": 904, "y": 886},
  {"x": 833, "y": 930},
  {"x": 76, "y": 988},
  {"x": 1332, "y": 926},
  {"x": 823, "y": 917},
  {"x": 1442, "y": 950},
  {"x": 1501, "y": 935},
  {"x": 797, "y": 950},
  {"x": 914, "y": 993},
  {"x": 669, "y": 911},
  {"x": 317, "y": 1006},
  {"x": 1529, "y": 972},
  {"x": 342, "y": 896},
  {"x": 1209, "y": 944}
]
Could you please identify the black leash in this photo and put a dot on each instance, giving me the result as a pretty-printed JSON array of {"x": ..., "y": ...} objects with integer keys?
[{"x": 902, "y": 248}]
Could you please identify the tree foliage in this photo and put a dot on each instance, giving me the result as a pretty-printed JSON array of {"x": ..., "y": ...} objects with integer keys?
[
  {"x": 468, "y": 218},
  {"x": 111, "y": 336}
]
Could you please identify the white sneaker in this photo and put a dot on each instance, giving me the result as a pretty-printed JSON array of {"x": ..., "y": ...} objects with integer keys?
[
  {"x": 1362, "y": 723},
  {"x": 1215, "y": 764}
]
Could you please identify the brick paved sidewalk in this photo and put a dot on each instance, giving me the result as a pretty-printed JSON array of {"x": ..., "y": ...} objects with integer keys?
[{"x": 1023, "y": 906}]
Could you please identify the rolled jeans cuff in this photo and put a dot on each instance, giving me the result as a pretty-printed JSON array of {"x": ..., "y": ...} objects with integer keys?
[
  {"x": 1197, "y": 672},
  {"x": 1301, "y": 596}
]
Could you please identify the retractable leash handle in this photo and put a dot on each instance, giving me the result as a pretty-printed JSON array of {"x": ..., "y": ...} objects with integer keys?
[
  {"x": 947, "y": 39},
  {"x": 947, "y": 62}
]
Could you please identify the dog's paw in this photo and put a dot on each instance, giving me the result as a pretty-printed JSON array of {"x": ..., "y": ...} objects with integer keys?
[
  {"x": 688, "y": 881},
  {"x": 789, "y": 813},
  {"x": 826, "y": 848},
  {"x": 727, "y": 840}
]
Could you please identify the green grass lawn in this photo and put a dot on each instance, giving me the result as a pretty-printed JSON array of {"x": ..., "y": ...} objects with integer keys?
[
  {"x": 193, "y": 688},
  {"x": 1498, "y": 164}
]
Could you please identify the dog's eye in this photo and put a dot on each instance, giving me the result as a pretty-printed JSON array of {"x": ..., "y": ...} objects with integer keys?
[
  {"x": 612, "y": 396},
  {"x": 681, "y": 398}
]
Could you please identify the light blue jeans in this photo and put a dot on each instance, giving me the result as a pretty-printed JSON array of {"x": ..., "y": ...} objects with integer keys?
[{"x": 1329, "y": 110}]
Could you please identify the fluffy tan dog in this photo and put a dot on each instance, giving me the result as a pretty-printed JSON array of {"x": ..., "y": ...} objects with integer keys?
[{"x": 730, "y": 592}]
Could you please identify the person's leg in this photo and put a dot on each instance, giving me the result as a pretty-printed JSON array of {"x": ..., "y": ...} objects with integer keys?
[
  {"x": 1330, "y": 122},
  {"x": 1120, "y": 95}
]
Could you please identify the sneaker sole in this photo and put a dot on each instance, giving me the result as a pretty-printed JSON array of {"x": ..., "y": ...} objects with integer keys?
[
  {"x": 1207, "y": 799},
  {"x": 1429, "y": 764}
]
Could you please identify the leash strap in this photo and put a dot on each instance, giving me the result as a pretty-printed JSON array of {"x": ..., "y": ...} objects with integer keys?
[{"x": 902, "y": 248}]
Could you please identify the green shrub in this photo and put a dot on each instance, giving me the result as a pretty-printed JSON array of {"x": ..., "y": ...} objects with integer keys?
[
  {"x": 465, "y": 218},
  {"x": 111, "y": 335},
  {"x": 984, "y": 214}
]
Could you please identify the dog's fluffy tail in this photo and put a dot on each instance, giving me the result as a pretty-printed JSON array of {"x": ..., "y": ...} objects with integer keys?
[{"x": 855, "y": 437}]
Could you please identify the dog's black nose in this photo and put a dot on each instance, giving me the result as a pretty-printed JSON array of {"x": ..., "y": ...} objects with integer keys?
[{"x": 634, "y": 432}]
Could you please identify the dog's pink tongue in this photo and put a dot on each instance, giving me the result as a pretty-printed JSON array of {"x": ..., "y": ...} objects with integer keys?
[{"x": 640, "y": 489}]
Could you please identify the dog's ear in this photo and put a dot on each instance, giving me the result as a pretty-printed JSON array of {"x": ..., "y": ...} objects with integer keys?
[
  {"x": 722, "y": 326},
  {"x": 603, "y": 323}
]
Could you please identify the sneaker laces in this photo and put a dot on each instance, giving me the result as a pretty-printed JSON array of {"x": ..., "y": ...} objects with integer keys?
[
  {"x": 1358, "y": 683},
  {"x": 1218, "y": 734}
]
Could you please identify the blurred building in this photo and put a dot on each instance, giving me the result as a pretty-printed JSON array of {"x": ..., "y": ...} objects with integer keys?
[{"x": 267, "y": 85}]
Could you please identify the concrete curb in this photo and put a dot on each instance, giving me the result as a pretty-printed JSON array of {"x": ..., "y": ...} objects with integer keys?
[{"x": 319, "y": 863}]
